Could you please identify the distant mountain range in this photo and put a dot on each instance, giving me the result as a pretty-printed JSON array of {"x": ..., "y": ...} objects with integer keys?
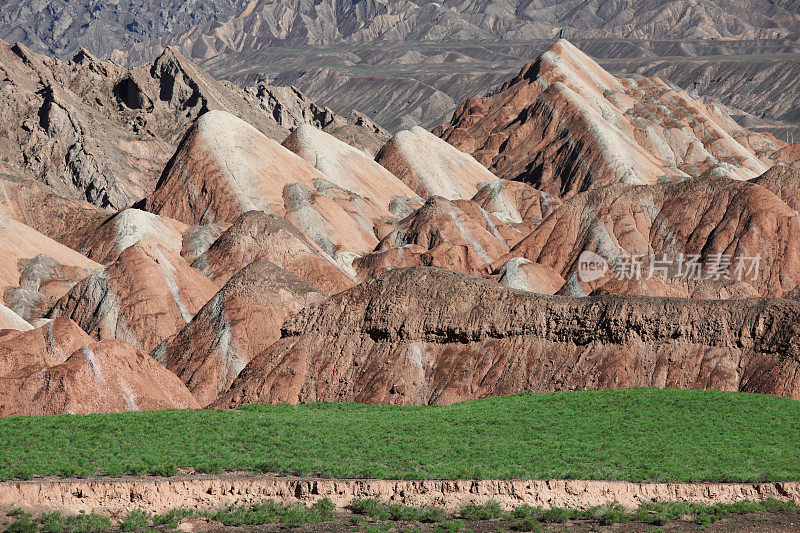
[
  {"x": 203, "y": 28},
  {"x": 433, "y": 54}
]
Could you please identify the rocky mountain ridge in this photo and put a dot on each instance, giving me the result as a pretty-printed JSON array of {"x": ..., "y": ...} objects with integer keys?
[{"x": 298, "y": 268}]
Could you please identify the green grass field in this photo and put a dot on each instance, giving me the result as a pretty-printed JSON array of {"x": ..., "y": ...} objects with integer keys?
[{"x": 632, "y": 434}]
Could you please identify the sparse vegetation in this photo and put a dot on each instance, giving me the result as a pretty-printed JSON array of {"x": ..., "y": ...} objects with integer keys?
[
  {"x": 373, "y": 515},
  {"x": 56, "y": 522},
  {"x": 631, "y": 434}
]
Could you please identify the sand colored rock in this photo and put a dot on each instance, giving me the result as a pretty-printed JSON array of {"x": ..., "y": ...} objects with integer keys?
[
  {"x": 223, "y": 168},
  {"x": 146, "y": 295},
  {"x": 565, "y": 125},
  {"x": 403, "y": 338},
  {"x": 198, "y": 239},
  {"x": 709, "y": 217},
  {"x": 784, "y": 181},
  {"x": 42, "y": 282},
  {"x": 95, "y": 131},
  {"x": 9, "y": 320},
  {"x": 209, "y": 492},
  {"x": 40, "y": 207},
  {"x": 26, "y": 353},
  {"x": 519, "y": 273},
  {"x": 431, "y": 167},
  {"x": 456, "y": 235},
  {"x": 345, "y": 166},
  {"x": 256, "y": 235},
  {"x": 106, "y": 242},
  {"x": 19, "y": 242},
  {"x": 515, "y": 202},
  {"x": 337, "y": 220},
  {"x": 103, "y": 377},
  {"x": 240, "y": 321}
]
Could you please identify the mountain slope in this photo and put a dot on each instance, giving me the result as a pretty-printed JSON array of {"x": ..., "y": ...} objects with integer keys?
[{"x": 566, "y": 125}]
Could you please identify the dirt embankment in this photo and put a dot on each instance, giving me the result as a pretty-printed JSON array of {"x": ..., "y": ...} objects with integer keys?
[{"x": 117, "y": 497}]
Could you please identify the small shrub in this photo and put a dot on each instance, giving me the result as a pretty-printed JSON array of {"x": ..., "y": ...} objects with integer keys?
[
  {"x": 487, "y": 511},
  {"x": 135, "y": 521},
  {"x": 271, "y": 513},
  {"x": 395, "y": 512},
  {"x": 91, "y": 523},
  {"x": 367, "y": 507},
  {"x": 52, "y": 522},
  {"x": 608, "y": 514},
  {"x": 324, "y": 508},
  {"x": 162, "y": 470},
  {"x": 557, "y": 515},
  {"x": 529, "y": 523},
  {"x": 171, "y": 519},
  {"x": 526, "y": 511},
  {"x": 450, "y": 526},
  {"x": 23, "y": 524}
]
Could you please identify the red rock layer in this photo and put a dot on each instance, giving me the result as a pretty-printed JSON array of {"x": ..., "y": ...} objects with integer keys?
[
  {"x": 428, "y": 336},
  {"x": 58, "y": 369},
  {"x": 566, "y": 125},
  {"x": 240, "y": 321},
  {"x": 145, "y": 296}
]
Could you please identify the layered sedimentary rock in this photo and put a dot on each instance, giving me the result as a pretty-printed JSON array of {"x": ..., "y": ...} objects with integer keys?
[
  {"x": 104, "y": 377},
  {"x": 457, "y": 235},
  {"x": 520, "y": 273},
  {"x": 238, "y": 323},
  {"x": 225, "y": 168},
  {"x": 515, "y": 202},
  {"x": 32, "y": 351},
  {"x": 784, "y": 181},
  {"x": 432, "y": 167},
  {"x": 346, "y": 166},
  {"x": 566, "y": 125},
  {"x": 106, "y": 241},
  {"x": 42, "y": 282},
  {"x": 95, "y": 131},
  {"x": 40, "y": 207},
  {"x": 404, "y": 338},
  {"x": 256, "y": 235},
  {"x": 749, "y": 233},
  {"x": 58, "y": 369},
  {"x": 19, "y": 242},
  {"x": 148, "y": 294},
  {"x": 9, "y": 320}
]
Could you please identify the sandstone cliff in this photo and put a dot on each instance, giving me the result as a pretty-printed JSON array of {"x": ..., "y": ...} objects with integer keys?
[{"x": 428, "y": 336}]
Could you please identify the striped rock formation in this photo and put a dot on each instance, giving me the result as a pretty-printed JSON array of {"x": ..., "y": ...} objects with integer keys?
[
  {"x": 148, "y": 294},
  {"x": 404, "y": 338},
  {"x": 432, "y": 167},
  {"x": 565, "y": 125},
  {"x": 58, "y": 369},
  {"x": 242, "y": 320}
]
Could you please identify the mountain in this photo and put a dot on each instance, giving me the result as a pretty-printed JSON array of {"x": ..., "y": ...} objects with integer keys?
[
  {"x": 94, "y": 131},
  {"x": 145, "y": 296},
  {"x": 57, "y": 369},
  {"x": 433, "y": 55},
  {"x": 403, "y": 339},
  {"x": 566, "y": 125},
  {"x": 242, "y": 320},
  {"x": 303, "y": 22},
  {"x": 59, "y": 28},
  {"x": 571, "y": 230}
]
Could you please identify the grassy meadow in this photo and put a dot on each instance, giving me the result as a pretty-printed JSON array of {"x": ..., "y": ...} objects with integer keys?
[{"x": 631, "y": 434}]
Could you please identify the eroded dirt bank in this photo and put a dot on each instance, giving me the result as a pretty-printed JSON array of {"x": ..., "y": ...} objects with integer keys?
[{"x": 120, "y": 495}]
